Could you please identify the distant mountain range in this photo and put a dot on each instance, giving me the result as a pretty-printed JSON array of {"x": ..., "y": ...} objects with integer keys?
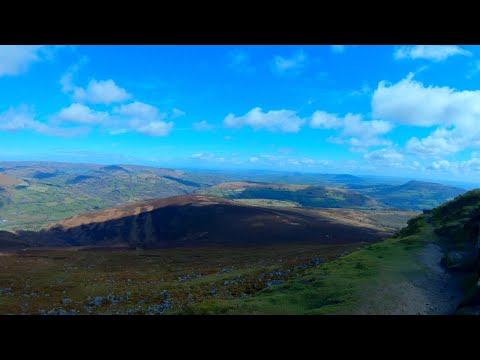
[{"x": 35, "y": 194}]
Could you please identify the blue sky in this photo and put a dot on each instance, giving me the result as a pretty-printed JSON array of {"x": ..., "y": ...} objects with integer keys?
[{"x": 410, "y": 111}]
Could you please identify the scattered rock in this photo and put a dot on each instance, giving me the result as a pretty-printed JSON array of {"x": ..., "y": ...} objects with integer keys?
[
  {"x": 66, "y": 301},
  {"x": 188, "y": 277},
  {"x": 59, "y": 312},
  {"x": 233, "y": 282},
  {"x": 6, "y": 291},
  {"x": 274, "y": 282}
]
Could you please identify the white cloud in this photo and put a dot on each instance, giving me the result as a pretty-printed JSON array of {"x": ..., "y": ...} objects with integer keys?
[
  {"x": 152, "y": 128},
  {"x": 471, "y": 166},
  {"x": 354, "y": 131},
  {"x": 207, "y": 157},
  {"x": 81, "y": 114},
  {"x": 239, "y": 61},
  {"x": 273, "y": 120},
  {"x": 284, "y": 161},
  {"x": 202, "y": 126},
  {"x": 16, "y": 59},
  {"x": 455, "y": 113},
  {"x": 338, "y": 49},
  {"x": 138, "y": 109},
  {"x": 67, "y": 79},
  {"x": 409, "y": 102},
  {"x": 97, "y": 91},
  {"x": 144, "y": 118},
  {"x": 23, "y": 118},
  {"x": 177, "y": 113},
  {"x": 101, "y": 92},
  {"x": 293, "y": 64},
  {"x": 386, "y": 156},
  {"x": 324, "y": 120},
  {"x": 253, "y": 159},
  {"x": 430, "y": 52},
  {"x": 441, "y": 142}
]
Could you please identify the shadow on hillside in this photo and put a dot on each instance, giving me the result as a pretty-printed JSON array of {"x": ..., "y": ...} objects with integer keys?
[{"x": 193, "y": 225}]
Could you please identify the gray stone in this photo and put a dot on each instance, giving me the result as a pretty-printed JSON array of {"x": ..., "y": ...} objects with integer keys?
[{"x": 274, "y": 282}]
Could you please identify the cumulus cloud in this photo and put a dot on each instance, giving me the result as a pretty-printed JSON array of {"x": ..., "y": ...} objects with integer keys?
[
  {"x": 97, "y": 91},
  {"x": 23, "y": 119},
  {"x": 273, "y": 120},
  {"x": 202, "y": 126},
  {"x": 138, "y": 109},
  {"x": 17, "y": 59},
  {"x": 471, "y": 166},
  {"x": 384, "y": 156},
  {"x": 429, "y": 52},
  {"x": 441, "y": 142},
  {"x": 455, "y": 113},
  {"x": 293, "y": 64},
  {"x": 143, "y": 118},
  {"x": 354, "y": 131},
  {"x": 409, "y": 102},
  {"x": 81, "y": 114},
  {"x": 101, "y": 92},
  {"x": 153, "y": 128}
]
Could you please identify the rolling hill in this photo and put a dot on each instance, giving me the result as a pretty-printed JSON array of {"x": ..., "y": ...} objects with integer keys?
[
  {"x": 33, "y": 195},
  {"x": 201, "y": 220},
  {"x": 413, "y": 195},
  {"x": 194, "y": 220},
  {"x": 297, "y": 195}
]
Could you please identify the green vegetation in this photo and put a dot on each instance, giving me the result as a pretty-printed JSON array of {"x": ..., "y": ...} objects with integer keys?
[
  {"x": 267, "y": 202},
  {"x": 366, "y": 281},
  {"x": 414, "y": 195},
  {"x": 138, "y": 282},
  {"x": 309, "y": 196},
  {"x": 383, "y": 277},
  {"x": 49, "y": 192}
]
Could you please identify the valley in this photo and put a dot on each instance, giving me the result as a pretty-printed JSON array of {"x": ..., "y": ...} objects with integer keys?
[{"x": 123, "y": 239}]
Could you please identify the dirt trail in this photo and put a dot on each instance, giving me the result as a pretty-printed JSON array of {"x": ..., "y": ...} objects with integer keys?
[
  {"x": 434, "y": 291},
  {"x": 438, "y": 286}
]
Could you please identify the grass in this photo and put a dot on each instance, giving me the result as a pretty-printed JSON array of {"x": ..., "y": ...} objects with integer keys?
[
  {"x": 35, "y": 281},
  {"x": 351, "y": 284},
  {"x": 268, "y": 202}
]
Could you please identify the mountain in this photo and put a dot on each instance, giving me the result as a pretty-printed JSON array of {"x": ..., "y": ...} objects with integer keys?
[
  {"x": 429, "y": 267},
  {"x": 414, "y": 195},
  {"x": 196, "y": 220},
  {"x": 34, "y": 194},
  {"x": 295, "y": 195}
]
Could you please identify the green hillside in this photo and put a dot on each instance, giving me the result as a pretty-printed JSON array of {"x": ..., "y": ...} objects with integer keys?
[
  {"x": 413, "y": 195},
  {"x": 301, "y": 195},
  {"x": 429, "y": 267},
  {"x": 41, "y": 193}
]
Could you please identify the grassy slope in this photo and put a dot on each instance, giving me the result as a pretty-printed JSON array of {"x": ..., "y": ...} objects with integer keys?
[
  {"x": 31, "y": 281},
  {"x": 344, "y": 286},
  {"x": 373, "y": 280},
  {"x": 414, "y": 195},
  {"x": 38, "y": 202},
  {"x": 310, "y": 196}
]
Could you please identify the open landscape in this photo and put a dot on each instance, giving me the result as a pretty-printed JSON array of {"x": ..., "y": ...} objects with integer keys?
[{"x": 239, "y": 180}]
